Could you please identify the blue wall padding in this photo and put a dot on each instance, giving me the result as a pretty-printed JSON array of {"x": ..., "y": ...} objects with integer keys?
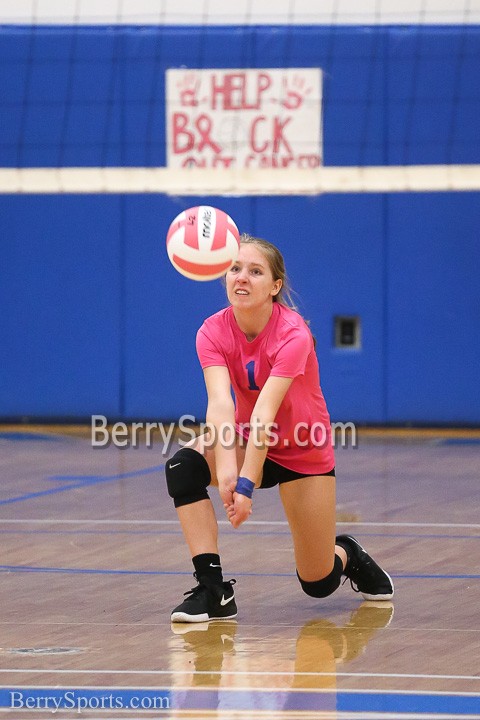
[
  {"x": 94, "y": 319},
  {"x": 433, "y": 308},
  {"x": 95, "y": 95},
  {"x": 61, "y": 299}
]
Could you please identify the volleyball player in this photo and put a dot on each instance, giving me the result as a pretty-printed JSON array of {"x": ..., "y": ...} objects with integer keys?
[{"x": 280, "y": 435}]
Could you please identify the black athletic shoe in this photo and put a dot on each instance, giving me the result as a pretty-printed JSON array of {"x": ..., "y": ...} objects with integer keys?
[
  {"x": 366, "y": 577},
  {"x": 207, "y": 602}
]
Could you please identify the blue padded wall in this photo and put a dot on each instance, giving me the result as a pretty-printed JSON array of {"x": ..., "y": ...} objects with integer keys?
[
  {"x": 433, "y": 308},
  {"x": 95, "y": 320},
  {"x": 60, "y": 294},
  {"x": 95, "y": 95}
]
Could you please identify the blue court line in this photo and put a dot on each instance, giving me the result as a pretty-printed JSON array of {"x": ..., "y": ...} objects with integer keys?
[
  {"x": 96, "y": 532},
  {"x": 402, "y": 703},
  {"x": 257, "y": 533},
  {"x": 419, "y": 536},
  {"x": 77, "y": 481},
  {"x": 247, "y": 700},
  {"x": 17, "y": 436},
  {"x": 427, "y": 576},
  {"x": 459, "y": 441},
  {"x": 109, "y": 571},
  {"x": 87, "y": 571},
  {"x": 119, "y": 476}
]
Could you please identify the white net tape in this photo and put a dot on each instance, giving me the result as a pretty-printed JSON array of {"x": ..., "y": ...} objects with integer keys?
[
  {"x": 195, "y": 181},
  {"x": 240, "y": 180}
]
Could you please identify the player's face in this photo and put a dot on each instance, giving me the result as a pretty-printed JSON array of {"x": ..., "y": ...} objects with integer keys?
[{"x": 250, "y": 281}]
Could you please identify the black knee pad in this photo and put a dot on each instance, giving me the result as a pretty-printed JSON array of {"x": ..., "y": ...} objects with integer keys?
[
  {"x": 188, "y": 477},
  {"x": 326, "y": 586}
]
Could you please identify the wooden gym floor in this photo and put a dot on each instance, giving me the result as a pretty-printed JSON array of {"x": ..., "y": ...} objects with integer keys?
[{"x": 93, "y": 560}]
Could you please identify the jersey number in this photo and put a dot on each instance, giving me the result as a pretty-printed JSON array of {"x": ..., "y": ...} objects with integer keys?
[{"x": 252, "y": 385}]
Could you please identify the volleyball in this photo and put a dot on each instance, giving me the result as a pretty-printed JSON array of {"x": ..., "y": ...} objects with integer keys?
[{"x": 203, "y": 243}]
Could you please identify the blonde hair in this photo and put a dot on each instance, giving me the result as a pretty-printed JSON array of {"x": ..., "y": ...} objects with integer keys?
[{"x": 276, "y": 264}]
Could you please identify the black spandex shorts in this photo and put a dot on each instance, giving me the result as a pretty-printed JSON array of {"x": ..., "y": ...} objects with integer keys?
[{"x": 275, "y": 474}]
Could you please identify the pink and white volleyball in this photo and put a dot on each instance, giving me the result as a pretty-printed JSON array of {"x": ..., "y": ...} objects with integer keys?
[{"x": 203, "y": 243}]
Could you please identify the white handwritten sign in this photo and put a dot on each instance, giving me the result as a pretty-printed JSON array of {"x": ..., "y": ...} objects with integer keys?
[{"x": 244, "y": 118}]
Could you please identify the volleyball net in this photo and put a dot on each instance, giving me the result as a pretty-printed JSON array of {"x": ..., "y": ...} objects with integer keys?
[{"x": 244, "y": 98}]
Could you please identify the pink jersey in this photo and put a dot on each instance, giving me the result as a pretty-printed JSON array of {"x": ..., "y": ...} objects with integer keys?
[{"x": 301, "y": 436}]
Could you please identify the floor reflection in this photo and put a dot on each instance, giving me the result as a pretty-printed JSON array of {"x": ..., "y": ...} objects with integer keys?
[
  {"x": 207, "y": 644},
  {"x": 249, "y": 669},
  {"x": 323, "y": 646}
]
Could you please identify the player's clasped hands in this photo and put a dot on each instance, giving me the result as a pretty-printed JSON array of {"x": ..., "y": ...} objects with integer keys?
[
  {"x": 237, "y": 506},
  {"x": 239, "y": 510}
]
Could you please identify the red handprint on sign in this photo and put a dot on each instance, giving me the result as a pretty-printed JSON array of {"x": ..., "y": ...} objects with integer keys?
[
  {"x": 294, "y": 92},
  {"x": 188, "y": 88}
]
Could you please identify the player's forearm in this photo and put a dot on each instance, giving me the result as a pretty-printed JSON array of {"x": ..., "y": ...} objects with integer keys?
[
  {"x": 257, "y": 446},
  {"x": 263, "y": 430},
  {"x": 252, "y": 467},
  {"x": 221, "y": 420}
]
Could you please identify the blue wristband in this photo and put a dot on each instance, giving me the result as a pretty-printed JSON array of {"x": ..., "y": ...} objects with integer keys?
[{"x": 245, "y": 487}]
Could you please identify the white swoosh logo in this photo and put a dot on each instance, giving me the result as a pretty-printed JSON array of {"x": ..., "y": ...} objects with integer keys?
[
  {"x": 225, "y": 602},
  {"x": 176, "y": 465}
]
